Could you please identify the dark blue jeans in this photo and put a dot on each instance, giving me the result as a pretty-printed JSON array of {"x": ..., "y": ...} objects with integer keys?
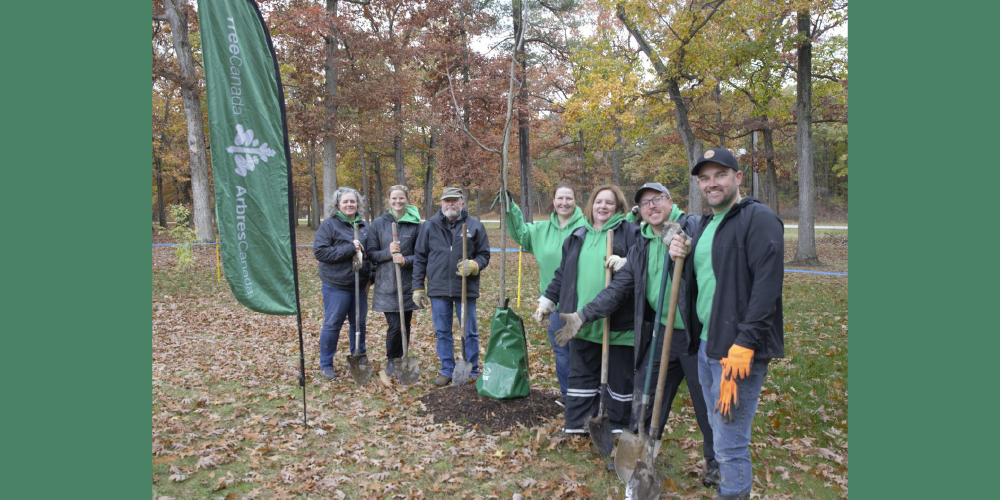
[
  {"x": 441, "y": 311},
  {"x": 338, "y": 305},
  {"x": 562, "y": 353},
  {"x": 732, "y": 440}
]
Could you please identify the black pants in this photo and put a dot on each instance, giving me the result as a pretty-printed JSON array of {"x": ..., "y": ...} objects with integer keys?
[
  {"x": 682, "y": 366},
  {"x": 393, "y": 342},
  {"x": 583, "y": 387}
]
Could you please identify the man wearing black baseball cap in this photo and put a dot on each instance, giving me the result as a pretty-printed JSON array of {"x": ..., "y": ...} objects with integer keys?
[
  {"x": 640, "y": 278},
  {"x": 732, "y": 307}
]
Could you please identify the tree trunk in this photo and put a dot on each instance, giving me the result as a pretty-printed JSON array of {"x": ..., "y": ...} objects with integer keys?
[
  {"x": 378, "y": 182},
  {"x": 429, "y": 178},
  {"x": 160, "y": 208},
  {"x": 805, "y": 251},
  {"x": 314, "y": 203},
  {"x": 692, "y": 146},
  {"x": 364, "y": 185},
  {"x": 770, "y": 183},
  {"x": 717, "y": 97},
  {"x": 616, "y": 158},
  {"x": 523, "y": 120},
  {"x": 202, "y": 213},
  {"x": 330, "y": 115},
  {"x": 397, "y": 146}
]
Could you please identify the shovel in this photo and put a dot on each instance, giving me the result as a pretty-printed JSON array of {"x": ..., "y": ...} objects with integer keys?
[
  {"x": 633, "y": 447},
  {"x": 647, "y": 482},
  {"x": 600, "y": 430},
  {"x": 460, "y": 375},
  {"x": 407, "y": 370},
  {"x": 358, "y": 365}
]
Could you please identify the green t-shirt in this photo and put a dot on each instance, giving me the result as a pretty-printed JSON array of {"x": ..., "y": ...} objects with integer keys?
[
  {"x": 654, "y": 270},
  {"x": 590, "y": 282},
  {"x": 705, "y": 274}
]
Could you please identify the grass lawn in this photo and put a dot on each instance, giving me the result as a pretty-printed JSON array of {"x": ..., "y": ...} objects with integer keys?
[{"x": 227, "y": 409}]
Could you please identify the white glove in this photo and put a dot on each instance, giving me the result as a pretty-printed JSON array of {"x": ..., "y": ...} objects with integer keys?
[
  {"x": 571, "y": 326},
  {"x": 545, "y": 308},
  {"x": 615, "y": 263}
]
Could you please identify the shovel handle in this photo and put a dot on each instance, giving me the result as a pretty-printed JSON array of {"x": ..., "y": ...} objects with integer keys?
[
  {"x": 357, "y": 302},
  {"x": 399, "y": 292},
  {"x": 607, "y": 326},
  {"x": 465, "y": 309},
  {"x": 652, "y": 345},
  {"x": 668, "y": 336}
]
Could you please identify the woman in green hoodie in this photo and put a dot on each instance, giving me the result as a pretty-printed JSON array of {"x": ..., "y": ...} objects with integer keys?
[
  {"x": 579, "y": 278},
  {"x": 544, "y": 240},
  {"x": 386, "y": 254}
]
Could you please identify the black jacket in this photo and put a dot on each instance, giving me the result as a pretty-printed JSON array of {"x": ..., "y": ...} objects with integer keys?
[
  {"x": 630, "y": 281},
  {"x": 625, "y": 237},
  {"x": 438, "y": 250},
  {"x": 334, "y": 249},
  {"x": 748, "y": 257},
  {"x": 385, "y": 298}
]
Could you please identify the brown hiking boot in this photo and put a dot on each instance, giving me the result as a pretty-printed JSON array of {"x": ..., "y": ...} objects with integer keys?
[{"x": 442, "y": 381}]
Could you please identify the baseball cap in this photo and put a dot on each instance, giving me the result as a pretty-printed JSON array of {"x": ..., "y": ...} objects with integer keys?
[
  {"x": 452, "y": 192},
  {"x": 656, "y": 186},
  {"x": 721, "y": 156}
]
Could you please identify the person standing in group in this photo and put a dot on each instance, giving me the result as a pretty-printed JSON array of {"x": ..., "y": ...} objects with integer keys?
[
  {"x": 340, "y": 255},
  {"x": 544, "y": 240},
  {"x": 640, "y": 278},
  {"x": 576, "y": 282},
  {"x": 437, "y": 256},
  {"x": 386, "y": 254},
  {"x": 733, "y": 309}
]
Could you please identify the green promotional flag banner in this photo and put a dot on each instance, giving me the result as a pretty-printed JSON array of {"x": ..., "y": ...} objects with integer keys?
[{"x": 246, "y": 118}]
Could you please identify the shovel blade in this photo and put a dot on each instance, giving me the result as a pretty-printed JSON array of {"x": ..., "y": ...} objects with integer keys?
[
  {"x": 407, "y": 371},
  {"x": 600, "y": 435},
  {"x": 629, "y": 451},
  {"x": 460, "y": 375},
  {"x": 646, "y": 482},
  {"x": 359, "y": 368}
]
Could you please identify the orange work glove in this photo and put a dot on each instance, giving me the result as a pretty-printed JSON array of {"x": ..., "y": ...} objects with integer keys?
[
  {"x": 727, "y": 399},
  {"x": 737, "y": 364}
]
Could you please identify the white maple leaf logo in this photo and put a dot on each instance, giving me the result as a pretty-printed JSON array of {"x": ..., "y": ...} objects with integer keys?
[{"x": 248, "y": 151}]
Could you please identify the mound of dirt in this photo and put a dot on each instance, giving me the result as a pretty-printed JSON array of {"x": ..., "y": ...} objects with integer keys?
[{"x": 463, "y": 405}]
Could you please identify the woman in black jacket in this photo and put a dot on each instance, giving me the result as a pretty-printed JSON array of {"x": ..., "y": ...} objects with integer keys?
[
  {"x": 340, "y": 255},
  {"x": 579, "y": 278},
  {"x": 386, "y": 254}
]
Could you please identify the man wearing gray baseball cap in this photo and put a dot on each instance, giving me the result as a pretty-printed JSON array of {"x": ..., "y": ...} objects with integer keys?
[{"x": 437, "y": 255}]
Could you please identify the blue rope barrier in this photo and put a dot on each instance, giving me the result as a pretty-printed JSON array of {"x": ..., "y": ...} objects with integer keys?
[{"x": 515, "y": 250}]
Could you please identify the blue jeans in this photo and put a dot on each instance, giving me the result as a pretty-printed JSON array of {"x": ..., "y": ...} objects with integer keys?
[
  {"x": 441, "y": 312},
  {"x": 562, "y": 353},
  {"x": 338, "y": 305},
  {"x": 732, "y": 440}
]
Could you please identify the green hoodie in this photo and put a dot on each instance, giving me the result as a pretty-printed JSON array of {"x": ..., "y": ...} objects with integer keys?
[
  {"x": 543, "y": 239},
  {"x": 345, "y": 219},
  {"x": 411, "y": 214},
  {"x": 654, "y": 269},
  {"x": 590, "y": 282}
]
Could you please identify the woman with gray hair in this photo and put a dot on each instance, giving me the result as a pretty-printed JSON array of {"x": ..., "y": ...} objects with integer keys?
[{"x": 340, "y": 255}]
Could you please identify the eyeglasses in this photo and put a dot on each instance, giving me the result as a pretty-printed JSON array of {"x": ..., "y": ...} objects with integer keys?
[{"x": 656, "y": 200}]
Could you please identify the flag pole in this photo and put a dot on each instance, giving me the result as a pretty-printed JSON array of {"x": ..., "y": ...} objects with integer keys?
[{"x": 292, "y": 221}]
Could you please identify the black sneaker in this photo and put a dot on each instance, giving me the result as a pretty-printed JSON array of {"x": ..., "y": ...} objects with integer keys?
[
  {"x": 390, "y": 367},
  {"x": 561, "y": 401},
  {"x": 712, "y": 476},
  {"x": 329, "y": 373}
]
